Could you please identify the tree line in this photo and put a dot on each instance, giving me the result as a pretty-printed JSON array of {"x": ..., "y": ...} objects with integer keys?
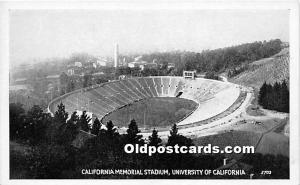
[
  {"x": 218, "y": 60},
  {"x": 274, "y": 97}
]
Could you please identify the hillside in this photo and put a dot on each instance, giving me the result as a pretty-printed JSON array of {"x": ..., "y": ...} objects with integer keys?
[
  {"x": 234, "y": 138},
  {"x": 275, "y": 68},
  {"x": 273, "y": 143}
]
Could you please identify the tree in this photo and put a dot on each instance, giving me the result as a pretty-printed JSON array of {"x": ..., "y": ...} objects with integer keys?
[
  {"x": 84, "y": 122},
  {"x": 63, "y": 81},
  {"x": 274, "y": 97},
  {"x": 36, "y": 125},
  {"x": 48, "y": 162},
  {"x": 262, "y": 94},
  {"x": 70, "y": 86},
  {"x": 178, "y": 139},
  {"x": 154, "y": 140},
  {"x": 177, "y": 160},
  {"x": 87, "y": 80},
  {"x": 16, "y": 120},
  {"x": 132, "y": 133},
  {"x": 70, "y": 130},
  {"x": 285, "y": 97},
  {"x": 211, "y": 75},
  {"x": 35, "y": 113},
  {"x": 174, "y": 131},
  {"x": 61, "y": 115},
  {"x": 96, "y": 127}
]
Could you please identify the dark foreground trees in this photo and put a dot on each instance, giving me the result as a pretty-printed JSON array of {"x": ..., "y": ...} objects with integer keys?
[
  {"x": 58, "y": 158},
  {"x": 274, "y": 97},
  {"x": 277, "y": 164}
]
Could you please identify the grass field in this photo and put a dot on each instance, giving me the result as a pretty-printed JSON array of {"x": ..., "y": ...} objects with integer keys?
[{"x": 152, "y": 113}]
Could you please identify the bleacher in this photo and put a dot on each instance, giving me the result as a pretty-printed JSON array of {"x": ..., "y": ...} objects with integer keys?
[{"x": 105, "y": 98}]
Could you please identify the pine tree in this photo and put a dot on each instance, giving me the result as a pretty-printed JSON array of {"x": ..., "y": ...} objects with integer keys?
[
  {"x": 177, "y": 159},
  {"x": 73, "y": 119},
  {"x": 285, "y": 97},
  {"x": 132, "y": 133},
  {"x": 61, "y": 115},
  {"x": 96, "y": 127},
  {"x": 178, "y": 139},
  {"x": 173, "y": 138},
  {"x": 174, "y": 131},
  {"x": 276, "y": 94},
  {"x": 84, "y": 122},
  {"x": 154, "y": 140},
  {"x": 111, "y": 130},
  {"x": 274, "y": 97},
  {"x": 71, "y": 129},
  {"x": 262, "y": 94}
]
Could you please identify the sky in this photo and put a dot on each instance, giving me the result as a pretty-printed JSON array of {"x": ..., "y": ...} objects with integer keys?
[{"x": 40, "y": 34}]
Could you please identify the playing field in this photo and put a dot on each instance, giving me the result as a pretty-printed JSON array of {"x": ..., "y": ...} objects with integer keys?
[{"x": 152, "y": 113}]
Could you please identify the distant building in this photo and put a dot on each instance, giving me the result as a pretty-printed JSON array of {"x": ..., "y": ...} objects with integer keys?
[
  {"x": 142, "y": 65},
  {"x": 171, "y": 65},
  {"x": 102, "y": 63},
  {"x": 98, "y": 74},
  {"x": 78, "y": 64},
  {"x": 148, "y": 66},
  {"x": 155, "y": 61},
  {"x": 123, "y": 62},
  {"x": 122, "y": 77},
  {"x": 20, "y": 81},
  {"x": 71, "y": 71},
  {"x": 54, "y": 79},
  {"x": 20, "y": 87},
  {"x": 136, "y": 59},
  {"x": 136, "y": 64}
]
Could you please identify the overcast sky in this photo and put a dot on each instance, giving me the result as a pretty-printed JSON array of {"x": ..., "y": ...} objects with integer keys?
[{"x": 57, "y": 33}]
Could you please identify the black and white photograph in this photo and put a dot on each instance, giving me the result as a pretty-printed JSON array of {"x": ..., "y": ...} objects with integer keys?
[{"x": 151, "y": 93}]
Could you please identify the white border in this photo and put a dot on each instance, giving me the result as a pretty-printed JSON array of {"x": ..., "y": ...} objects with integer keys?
[{"x": 147, "y": 4}]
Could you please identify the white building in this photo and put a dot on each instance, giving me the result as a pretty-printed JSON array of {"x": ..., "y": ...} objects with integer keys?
[
  {"x": 136, "y": 59},
  {"x": 101, "y": 62},
  {"x": 137, "y": 64},
  {"x": 171, "y": 65},
  {"x": 71, "y": 71},
  {"x": 78, "y": 64},
  {"x": 142, "y": 65}
]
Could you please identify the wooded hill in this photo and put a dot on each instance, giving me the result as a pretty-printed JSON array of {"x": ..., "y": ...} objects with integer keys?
[{"x": 270, "y": 70}]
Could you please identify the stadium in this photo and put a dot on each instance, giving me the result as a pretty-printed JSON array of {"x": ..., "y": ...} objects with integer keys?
[{"x": 196, "y": 105}]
